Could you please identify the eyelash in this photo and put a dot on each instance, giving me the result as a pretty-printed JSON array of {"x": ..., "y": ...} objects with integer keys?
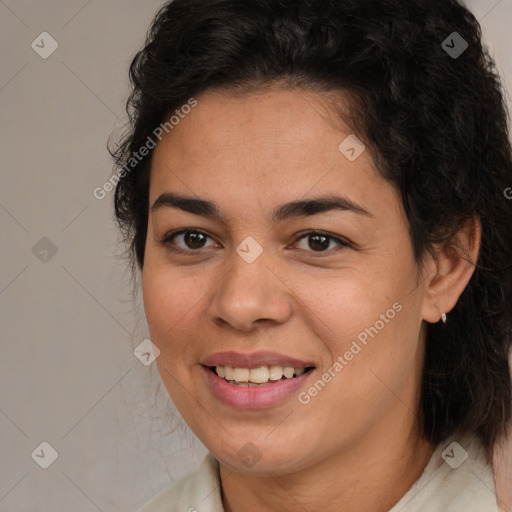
[{"x": 166, "y": 241}]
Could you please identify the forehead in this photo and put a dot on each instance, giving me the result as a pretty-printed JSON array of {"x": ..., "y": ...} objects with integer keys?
[
  {"x": 271, "y": 146},
  {"x": 224, "y": 120}
]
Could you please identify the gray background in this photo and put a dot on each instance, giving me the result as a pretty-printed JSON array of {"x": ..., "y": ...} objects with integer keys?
[{"x": 68, "y": 375}]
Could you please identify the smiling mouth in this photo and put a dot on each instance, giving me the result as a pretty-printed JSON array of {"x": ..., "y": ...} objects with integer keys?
[{"x": 260, "y": 376}]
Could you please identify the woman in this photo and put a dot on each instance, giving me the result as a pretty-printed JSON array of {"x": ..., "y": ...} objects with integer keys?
[{"x": 314, "y": 193}]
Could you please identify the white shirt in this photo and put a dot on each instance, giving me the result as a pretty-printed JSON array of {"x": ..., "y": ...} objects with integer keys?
[{"x": 449, "y": 483}]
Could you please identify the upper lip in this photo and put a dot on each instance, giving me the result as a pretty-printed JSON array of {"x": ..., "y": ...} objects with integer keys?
[{"x": 254, "y": 360}]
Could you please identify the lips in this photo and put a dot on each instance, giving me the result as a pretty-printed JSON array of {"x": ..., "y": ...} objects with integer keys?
[
  {"x": 254, "y": 360},
  {"x": 250, "y": 395},
  {"x": 255, "y": 397}
]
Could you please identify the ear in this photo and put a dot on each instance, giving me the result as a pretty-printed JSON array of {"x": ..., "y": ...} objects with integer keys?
[{"x": 449, "y": 270}]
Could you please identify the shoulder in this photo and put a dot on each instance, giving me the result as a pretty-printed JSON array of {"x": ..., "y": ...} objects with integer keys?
[
  {"x": 199, "y": 490},
  {"x": 457, "y": 478}
]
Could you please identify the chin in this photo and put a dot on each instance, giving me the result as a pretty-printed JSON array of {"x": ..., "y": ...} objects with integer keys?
[{"x": 246, "y": 455}]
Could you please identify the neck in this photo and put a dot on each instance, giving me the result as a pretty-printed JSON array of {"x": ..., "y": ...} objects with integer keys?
[{"x": 373, "y": 473}]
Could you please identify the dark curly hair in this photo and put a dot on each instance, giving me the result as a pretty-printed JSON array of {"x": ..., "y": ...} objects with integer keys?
[{"x": 436, "y": 123}]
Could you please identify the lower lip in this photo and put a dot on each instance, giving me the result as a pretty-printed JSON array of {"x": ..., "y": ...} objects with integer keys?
[{"x": 254, "y": 397}]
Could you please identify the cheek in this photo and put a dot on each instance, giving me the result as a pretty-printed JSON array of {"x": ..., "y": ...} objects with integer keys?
[
  {"x": 374, "y": 320},
  {"x": 356, "y": 299},
  {"x": 170, "y": 303}
]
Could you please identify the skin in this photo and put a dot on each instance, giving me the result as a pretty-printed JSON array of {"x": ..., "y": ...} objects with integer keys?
[
  {"x": 503, "y": 466},
  {"x": 250, "y": 154}
]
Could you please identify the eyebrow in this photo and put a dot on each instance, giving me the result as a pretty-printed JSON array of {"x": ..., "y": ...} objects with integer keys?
[{"x": 301, "y": 208}]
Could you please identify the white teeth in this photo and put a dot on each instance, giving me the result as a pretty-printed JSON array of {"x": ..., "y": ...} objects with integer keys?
[
  {"x": 260, "y": 375},
  {"x": 241, "y": 375},
  {"x": 276, "y": 372},
  {"x": 288, "y": 372}
]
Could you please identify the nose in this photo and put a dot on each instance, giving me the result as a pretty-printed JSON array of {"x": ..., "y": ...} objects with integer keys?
[{"x": 249, "y": 295}]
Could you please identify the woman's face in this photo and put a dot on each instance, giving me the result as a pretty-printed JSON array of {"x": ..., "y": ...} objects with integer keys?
[{"x": 251, "y": 286}]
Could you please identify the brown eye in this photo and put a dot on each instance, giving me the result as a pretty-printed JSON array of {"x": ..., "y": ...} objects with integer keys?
[
  {"x": 320, "y": 242},
  {"x": 192, "y": 240}
]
